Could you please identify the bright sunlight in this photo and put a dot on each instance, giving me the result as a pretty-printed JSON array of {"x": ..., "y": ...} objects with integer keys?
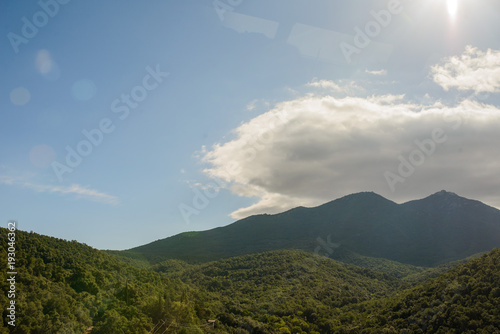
[{"x": 452, "y": 8}]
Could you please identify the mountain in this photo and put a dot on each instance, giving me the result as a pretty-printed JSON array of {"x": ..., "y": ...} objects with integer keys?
[
  {"x": 427, "y": 232},
  {"x": 455, "y": 225}
]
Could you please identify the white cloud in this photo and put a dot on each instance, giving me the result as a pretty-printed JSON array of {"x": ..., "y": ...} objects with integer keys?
[
  {"x": 317, "y": 148},
  {"x": 252, "y": 105},
  {"x": 379, "y": 72},
  {"x": 344, "y": 87},
  {"x": 473, "y": 70},
  {"x": 74, "y": 189},
  {"x": 325, "y": 84}
]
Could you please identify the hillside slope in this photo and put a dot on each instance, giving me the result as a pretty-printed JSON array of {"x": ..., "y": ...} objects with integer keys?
[
  {"x": 297, "y": 292},
  {"x": 67, "y": 287},
  {"x": 277, "y": 290},
  {"x": 465, "y": 299},
  {"x": 440, "y": 228}
]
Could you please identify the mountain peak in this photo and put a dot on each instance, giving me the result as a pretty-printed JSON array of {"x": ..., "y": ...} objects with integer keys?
[
  {"x": 360, "y": 198},
  {"x": 364, "y": 195},
  {"x": 446, "y": 202},
  {"x": 445, "y": 193},
  {"x": 443, "y": 196}
]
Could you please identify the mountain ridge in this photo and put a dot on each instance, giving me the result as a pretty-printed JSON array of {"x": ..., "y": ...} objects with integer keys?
[{"x": 430, "y": 231}]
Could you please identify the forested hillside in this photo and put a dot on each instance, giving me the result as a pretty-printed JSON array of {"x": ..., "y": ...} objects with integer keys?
[
  {"x": 277, "y": 291},
  {"x": 69, "y": 287},
  {"x": 464, "y": 300}
]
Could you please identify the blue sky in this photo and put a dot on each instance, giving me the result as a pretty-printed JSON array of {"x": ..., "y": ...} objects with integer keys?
[{"x": 204, "y": 112}]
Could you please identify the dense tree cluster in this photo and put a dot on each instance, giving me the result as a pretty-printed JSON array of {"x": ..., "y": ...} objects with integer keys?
[
  {"x": 69, "y": 287},
  {"x": 280, "y": 291},
  {"x": 464, "y": 300}
]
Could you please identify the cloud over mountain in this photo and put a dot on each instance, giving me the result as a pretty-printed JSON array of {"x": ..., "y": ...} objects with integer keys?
[{"x": 312, "y": 149}]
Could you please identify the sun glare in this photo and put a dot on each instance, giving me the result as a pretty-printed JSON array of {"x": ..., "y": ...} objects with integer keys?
[{"x": 452, "y": 8}]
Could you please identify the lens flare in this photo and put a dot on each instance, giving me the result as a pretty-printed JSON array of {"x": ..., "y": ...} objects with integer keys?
[
  {"x": 44, "y": 62},
  {"x": 42, "y": 156},
  {"x": 20, "y": 96}
]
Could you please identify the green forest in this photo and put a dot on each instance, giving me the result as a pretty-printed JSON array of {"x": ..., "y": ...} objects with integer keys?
[{"x": 68, "y": 287}]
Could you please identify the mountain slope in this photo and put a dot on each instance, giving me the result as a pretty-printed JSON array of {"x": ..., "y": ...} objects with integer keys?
[
  {"x": 67, "y": 287},
  {"x": 456, "y": 226},
  {"x": 426, "y": 232},
  {"x": 465, "y": 299},
  {"x": 297, "y": 292},
  {"x": 277, "y": 290}
]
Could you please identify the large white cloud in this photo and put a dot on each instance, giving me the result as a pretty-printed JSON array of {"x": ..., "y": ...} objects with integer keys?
[
  {"x": 317, "y": 148},
  {"x": 474, "y": 70}
]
